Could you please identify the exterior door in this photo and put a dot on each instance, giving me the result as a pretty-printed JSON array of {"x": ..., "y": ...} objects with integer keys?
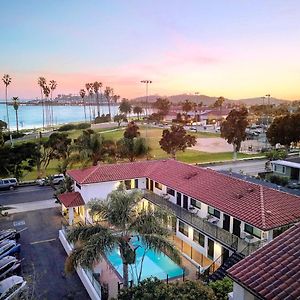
[
  {"x": 178, "y": 199},
  {"x": 185, "y": 202},
  {"x": 226, "y": 222},
  {"x": 210, "y": 249},
  {"x": 236, "y": 227},
  {"x": 151, "y": 185}
]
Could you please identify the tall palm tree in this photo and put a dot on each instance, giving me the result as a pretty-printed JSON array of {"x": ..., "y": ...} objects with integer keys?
[
  {"x": 53, "y": 86},
  {"x": 119, "y": 220},
  {"x": 6, "y": 80},
  {"x": 89, "y": 89},
  {"x": 82, "y": 95},
  {"x": 46, "y": 91},
  {"x": 97, "y": 86},
  {"x": 108, "y": 93},
  {"x": 16, "y": 105},
  {"x": 42, "y": 83}
]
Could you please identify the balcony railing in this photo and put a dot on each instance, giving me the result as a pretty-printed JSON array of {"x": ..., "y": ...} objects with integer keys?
[{"x": 215, "y": 232}]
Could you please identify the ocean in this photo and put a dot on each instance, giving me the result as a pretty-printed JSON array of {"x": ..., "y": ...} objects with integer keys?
[{"x": 31, "y": 117}]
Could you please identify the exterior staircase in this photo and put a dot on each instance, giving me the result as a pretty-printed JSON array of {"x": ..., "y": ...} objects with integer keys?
[{"x": 220, "y": 273}]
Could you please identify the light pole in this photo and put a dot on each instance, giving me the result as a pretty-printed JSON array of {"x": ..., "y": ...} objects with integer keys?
[
  {"x": 268, "y": 113},
  {"x": 197, "y": 120},
  {"x": 147, "y": 82}
]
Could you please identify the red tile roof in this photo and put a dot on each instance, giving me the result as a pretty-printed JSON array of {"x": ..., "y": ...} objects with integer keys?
[
  {"x": 272, "y": 272},
  {"x": 72, "y": 199},
  {"x": 257, "y": 205}
]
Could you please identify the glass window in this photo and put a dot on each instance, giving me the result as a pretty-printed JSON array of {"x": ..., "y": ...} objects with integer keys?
[
  {"x": 136, "y": 183},
  {"x": 78, "y": 185},
  {"x": 184, "y": 228},
  {"x": 170, "y": 191},
  {"x": 214, "y": 212},
  {"x": 199, "y": 238},
  {"x": 195, "y": 203},
  {"x": 147, "y": 183},
  {"x": 252, "y": 230},
  {"x": 127, "y": 184},
  {"x": 158, "y": 185}
]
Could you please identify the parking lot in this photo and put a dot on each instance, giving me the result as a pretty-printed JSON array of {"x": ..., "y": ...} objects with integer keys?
[{"x": 43, "y": 254}]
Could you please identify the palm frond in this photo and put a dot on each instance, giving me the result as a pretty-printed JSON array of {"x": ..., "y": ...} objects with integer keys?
[
  {"x": 98, "y": 208},
  {"x": 161, "y": 244},
  {"x": 84, "y": 233}
]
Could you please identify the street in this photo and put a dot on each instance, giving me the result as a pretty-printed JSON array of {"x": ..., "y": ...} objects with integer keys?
[{"x": 25, "y": 194}]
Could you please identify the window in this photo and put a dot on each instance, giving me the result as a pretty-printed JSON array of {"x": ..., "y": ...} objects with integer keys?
[
  {"x": 252, "y": 230},
  {"x": 147, "y": 183},
  {"x": 78, "y": 185},
  {"x": 136, "y": 183},
  {"x": 199, "y": 238},
  {"x": 184, "y": 228},
  {"x": 195, "y": 203},
  {"x": 158, "y": 185},
  {"x": 279, "y": 169},
  {"x": 127, "y": 184},
  {"x": 170, "y": 191},
  {"x": 214, "y": 212}
]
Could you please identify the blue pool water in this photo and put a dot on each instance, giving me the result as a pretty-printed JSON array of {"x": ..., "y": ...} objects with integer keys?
[{"x": 155, "y": 264}]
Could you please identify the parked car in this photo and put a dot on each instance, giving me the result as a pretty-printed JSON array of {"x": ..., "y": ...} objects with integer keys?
[
  {"x": 8, "y": 183},
  {"x": 9, "y": 247},
  {"x": 56, "y": 179},
  {"x": 193, "y": 129},
  {"x": 11, "y": 287},
  {"x": 9, "y": 265},
  {"x": 9, "y": 234}
]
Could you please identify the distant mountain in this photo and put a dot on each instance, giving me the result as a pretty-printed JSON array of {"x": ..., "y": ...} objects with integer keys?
[{"x": 208, "y": 100}]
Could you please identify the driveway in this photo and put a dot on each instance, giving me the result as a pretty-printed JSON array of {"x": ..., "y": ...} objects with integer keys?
[{"x": 44, "y": 256}]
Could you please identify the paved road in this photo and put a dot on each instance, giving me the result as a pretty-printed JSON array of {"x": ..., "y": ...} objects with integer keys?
[
  {"x": 26, "y": 194},
  {"x": 44, "y": 256},
  {"x": 249, "y": 167}
]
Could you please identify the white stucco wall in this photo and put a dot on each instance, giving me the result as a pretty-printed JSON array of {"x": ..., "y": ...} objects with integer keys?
[{"x": 239, "y": 293}]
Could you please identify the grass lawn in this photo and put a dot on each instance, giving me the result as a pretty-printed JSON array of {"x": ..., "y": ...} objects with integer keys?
[{"x": 154, "y": 135}]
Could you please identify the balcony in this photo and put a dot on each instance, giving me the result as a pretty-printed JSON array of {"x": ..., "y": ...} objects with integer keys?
[{"x": 222, "y": 236}]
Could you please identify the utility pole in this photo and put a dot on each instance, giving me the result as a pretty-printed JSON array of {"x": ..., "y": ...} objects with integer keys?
[
  {"x": 147, "y": 82},
  {"x": 268, "y": 112}
]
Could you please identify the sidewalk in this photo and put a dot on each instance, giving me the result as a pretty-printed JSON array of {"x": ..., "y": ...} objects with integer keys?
[{"x": 31, "y": 206}]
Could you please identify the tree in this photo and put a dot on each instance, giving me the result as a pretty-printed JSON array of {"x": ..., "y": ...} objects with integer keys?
[
  {"x": 138, "y": 111},
  {"x": 53, "y": 86},
  {"x": 222, "y": 288},
  {"x": 3, "y": 125},
  {"x": 219, "y": 103},
  {"x": 46, "y": 91},
  {"x": 233, "y": 129},
  {"x": 119, "y": 118},
  {"x": 175, "y": 140},
  {"x": 97, "y": 86},
  {"x": 187, "y": 106},
  {"x": 125, "y": 107},
  {"x": 82, "y": 95},
  {"x": 42, "y": 83},
  {"x": 131, "y": 131},
  {"x": 285, "y": 130},
  {"x": 163, "y": 106},
  {"x": 108, "y": 94},
  {"x": 153, "y": 288},
  {"x": 16, "y": 105},
  {"x": 118, "y": 220},
  {"x": 7, "y": 81},
  {"x": 89, "y": 88}
]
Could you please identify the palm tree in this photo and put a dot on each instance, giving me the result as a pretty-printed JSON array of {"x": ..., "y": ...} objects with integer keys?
[
  {"x": 53, "y": 86},
  {"x": 6, "y": 80},
  {"x": 46, "y": 91},
  {"x": 138, "y": 111},
  {"x": 16, "y": 105},
  {"x": 108, "y": 93},
  {"x": 119, "y": 218},
  {"x": 42, "y": 83},
  {"x": 82, "y": 95},
  {"x": 89, "y": 88},
  {"x": 97, "y": 86}
]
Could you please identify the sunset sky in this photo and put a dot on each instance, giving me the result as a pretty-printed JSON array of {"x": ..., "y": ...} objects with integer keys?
[{"x": 237, "y": 49}]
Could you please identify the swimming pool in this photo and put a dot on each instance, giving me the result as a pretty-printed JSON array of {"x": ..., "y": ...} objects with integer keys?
[{"x": 155, "y": 264}]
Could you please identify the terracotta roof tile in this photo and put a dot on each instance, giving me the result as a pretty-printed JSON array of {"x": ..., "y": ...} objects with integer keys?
[
  {"x": 278, "y": 280},
  {"x": 260, "y": 206},
  {"x": 72, "y": 199}
]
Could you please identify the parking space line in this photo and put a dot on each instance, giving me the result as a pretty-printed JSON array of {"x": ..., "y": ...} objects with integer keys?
[{"x": 42, "y": 241}]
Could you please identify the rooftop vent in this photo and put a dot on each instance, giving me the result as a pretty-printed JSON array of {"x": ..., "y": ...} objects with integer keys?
[
  {"x": 250, "y": 190},
  {"x": 239, "y": 196},
  {"x": 191, "y": 175}
]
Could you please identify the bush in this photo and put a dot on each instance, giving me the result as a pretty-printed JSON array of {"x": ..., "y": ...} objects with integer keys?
[
  {"x": 14, "y": 135},
  {"x": 221, "y": 288},
  {"x": 279, "y": 180},
  {"x": 67, "y": 127},
  {"x": 83, "y": 126},
  {"x": 276, "y": 154},
  {"x": 103, "y": 119}
]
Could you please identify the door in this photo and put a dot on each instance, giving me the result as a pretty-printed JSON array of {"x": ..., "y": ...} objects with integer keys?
[
  {"x": 151, "y": 185},
  {"x": 294, "y": 174},
  {"x": 210, "y": 249},
  {"x": 185, "y": 201},
  {"x": 178, "y": 199},
  {"x": 236, "y": 227},
  {"x": 226, "y": 222},
  {"x": 225, "y": 253}
]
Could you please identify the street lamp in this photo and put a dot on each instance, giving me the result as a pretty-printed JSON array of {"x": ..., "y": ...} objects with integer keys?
[
  {"x": 268, "y": 112},
  {"x": 147, "y": 82}
]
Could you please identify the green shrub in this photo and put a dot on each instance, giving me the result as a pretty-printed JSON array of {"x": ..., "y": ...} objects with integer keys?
[
  {"x": 221, "y": 288},
  {"x": 279, "y": 180},
  {"x": 103, "y": 119},
  {"x": 67, "y": 127},
  {"x": 83, "y": 126}
]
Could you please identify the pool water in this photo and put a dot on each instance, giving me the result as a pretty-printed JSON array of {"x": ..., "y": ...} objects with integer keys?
[{"x": 155, "y": 264}]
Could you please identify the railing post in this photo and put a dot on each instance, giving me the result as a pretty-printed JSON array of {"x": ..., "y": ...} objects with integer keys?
[
  {"x": 167, "y": 278},
  {"x": 183, "y": 274}
]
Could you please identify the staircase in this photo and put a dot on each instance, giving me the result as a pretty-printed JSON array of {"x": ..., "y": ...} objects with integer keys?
[{"x": 220, "y": 273}]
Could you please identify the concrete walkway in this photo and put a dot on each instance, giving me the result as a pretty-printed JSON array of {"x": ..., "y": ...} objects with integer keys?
[{"x": 31, "y": 206}]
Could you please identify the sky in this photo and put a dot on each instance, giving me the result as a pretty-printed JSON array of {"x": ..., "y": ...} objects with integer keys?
[{"x": 231, "y": 48}]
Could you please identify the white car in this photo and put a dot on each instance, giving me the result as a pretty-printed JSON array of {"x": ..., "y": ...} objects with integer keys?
[
  {"x": 8, "y": 266},
  {"x": 11, "y": 287},
  {"x": 56, "y": 179}
]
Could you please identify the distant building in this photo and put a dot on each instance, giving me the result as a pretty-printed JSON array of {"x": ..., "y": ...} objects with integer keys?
[{"x": 289, "y": 167}]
